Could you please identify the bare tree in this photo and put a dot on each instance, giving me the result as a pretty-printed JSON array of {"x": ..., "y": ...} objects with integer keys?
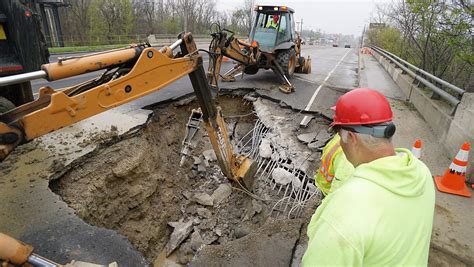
[{"x": 75, "y": 20}]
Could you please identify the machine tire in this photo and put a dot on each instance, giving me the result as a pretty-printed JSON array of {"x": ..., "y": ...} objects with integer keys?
[
  {"x": 252, "y": 69},
  {"x": 287, "y": 60},
  {"x": 5, "y": 105}
]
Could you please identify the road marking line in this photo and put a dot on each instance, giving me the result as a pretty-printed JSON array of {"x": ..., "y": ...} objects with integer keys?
[
  {"x": 306, "y": 80},
  {"x": 306, "y": 119}
]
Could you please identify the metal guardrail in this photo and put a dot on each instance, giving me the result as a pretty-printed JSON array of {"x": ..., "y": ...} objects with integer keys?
[{"x": 438, "y": 86}]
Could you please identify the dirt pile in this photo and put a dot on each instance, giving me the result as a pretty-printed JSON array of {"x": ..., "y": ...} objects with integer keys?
[{"x": 137, "y": 187}]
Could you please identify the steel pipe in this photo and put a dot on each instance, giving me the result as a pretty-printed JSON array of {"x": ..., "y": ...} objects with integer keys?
[
  {"x": 176, "y": 44},
  {"x": 24, "y": 77},
  {"x": 37, "y": 260}
]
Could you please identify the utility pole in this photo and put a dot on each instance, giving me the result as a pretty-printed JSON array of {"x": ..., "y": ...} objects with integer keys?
[
  {"x": 301, "y": 29},
  {"x": 298, "y": 26},
  {"x": 362, "y": 38}
]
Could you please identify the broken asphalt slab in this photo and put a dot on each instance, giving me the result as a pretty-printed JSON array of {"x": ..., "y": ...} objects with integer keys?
[{"x": 33, "y": 214}]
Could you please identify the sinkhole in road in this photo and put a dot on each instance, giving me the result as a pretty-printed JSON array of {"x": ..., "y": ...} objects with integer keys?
[{"x": 136, "y": 187}]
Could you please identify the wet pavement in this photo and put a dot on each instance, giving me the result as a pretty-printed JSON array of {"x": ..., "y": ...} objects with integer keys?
[
  {"x": 32, "y": 213},
  {"x": 453, "y": 214},
  {"x": 35, "y": 215}
]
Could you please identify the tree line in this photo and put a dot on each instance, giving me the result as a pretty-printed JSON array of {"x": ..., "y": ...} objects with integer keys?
[
  {"x": 89, "y": 21},
  {"x": 433, "y": 35}
]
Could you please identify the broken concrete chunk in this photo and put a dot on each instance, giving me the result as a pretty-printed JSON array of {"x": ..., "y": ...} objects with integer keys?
[
  {"x": 254, "y": 208},
  {"x": 196, "y": 240},
  {"x": 250, "y": 98},
  {"x": 319, "y": 144},
  {"x": 282, "y": 176},
  {"x": 296, "y": 182},
  {"x": 201, "y": 168},
  {"x": 307, "y": 137},
  {"x": 208, "y": 224},
  {"x": 241, "y": 231},
  {"x": 203, "y": 199},
  {"x": 265, "y": 149},
  {"x": 311, "y": 188},
  {"x": 257, "y": 207},
  {"x": 209, "y": 155},
  {"x": 180, "y": 233},
  {"x": 276, "y": 156},
  {"x": 197, "y": 160},
  {"x": 283, "y": 155},
  {"x": 210, "y": 239},
  {"x": 203, "y": 212},
  {"x": 324, "y": 135},
  {"x": 221, "y": 193}
]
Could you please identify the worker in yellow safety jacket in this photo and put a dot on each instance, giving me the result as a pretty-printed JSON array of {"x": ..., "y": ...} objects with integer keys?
[
  {"x": 335, "y": 168},
  {"x": 273, "y": 23},
  {"x": 383, "y": 214}
]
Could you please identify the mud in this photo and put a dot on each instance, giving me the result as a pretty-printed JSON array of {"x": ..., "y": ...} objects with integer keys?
[{"x": 135, "y": 185}]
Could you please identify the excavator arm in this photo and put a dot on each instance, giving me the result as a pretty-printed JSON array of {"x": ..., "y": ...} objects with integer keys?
[
  {"x": 131, "y": 73},
  {"x": 249, "y": 57}
]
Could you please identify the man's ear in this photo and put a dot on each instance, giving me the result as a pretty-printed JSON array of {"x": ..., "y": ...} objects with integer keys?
[{"x": 352, "y": 137}]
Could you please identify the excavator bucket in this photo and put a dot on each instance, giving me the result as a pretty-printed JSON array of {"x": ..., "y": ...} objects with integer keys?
[{"x": 246, "y": 171}]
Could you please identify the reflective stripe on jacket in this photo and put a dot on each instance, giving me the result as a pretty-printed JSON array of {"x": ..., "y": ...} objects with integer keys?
[{"x": 333, "y": 164}]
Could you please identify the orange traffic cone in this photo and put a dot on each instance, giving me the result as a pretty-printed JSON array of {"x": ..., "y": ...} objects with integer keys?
[
  {"x": 454, "y": 179},
  {"x": 225, "y": 59},
  {"x": 416, "y": 149}
]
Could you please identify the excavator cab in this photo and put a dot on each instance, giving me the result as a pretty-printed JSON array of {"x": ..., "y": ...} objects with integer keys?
[{"x": 274, "y": 28}]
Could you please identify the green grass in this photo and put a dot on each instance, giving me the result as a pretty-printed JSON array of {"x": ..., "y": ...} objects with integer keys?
[{"x": 57, "y": 50}]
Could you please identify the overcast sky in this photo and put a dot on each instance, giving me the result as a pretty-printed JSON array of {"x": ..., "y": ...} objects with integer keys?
[{"x": 331, "y": 16}]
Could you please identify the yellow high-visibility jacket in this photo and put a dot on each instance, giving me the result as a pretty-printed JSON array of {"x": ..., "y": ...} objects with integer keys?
[
  {"x": 272, "y": 24},
  {"x": 381, "y": 216},
  {"x": 335, "y": 168}
]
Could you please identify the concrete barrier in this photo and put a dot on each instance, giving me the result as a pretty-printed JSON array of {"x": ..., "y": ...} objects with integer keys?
[{"x": 452, "y": 131}]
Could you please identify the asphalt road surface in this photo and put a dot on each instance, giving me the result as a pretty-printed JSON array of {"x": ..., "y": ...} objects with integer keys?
[
  {"x": 36, "y": 216},
  {"x": 333, "y": 71}
]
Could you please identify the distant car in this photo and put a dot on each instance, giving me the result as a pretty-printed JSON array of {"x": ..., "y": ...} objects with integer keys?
[
  {"x": 347, "y": 46},
  {"x": 335, "y": 45}
]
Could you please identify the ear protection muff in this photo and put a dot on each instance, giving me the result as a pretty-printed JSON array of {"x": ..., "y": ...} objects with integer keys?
[
  {"x": 380, "y": 131},
  {"x": 389, "y": 130}
]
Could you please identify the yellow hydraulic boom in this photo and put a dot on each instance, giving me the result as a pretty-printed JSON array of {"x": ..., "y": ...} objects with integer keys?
[{"x": 131, "y": 73}]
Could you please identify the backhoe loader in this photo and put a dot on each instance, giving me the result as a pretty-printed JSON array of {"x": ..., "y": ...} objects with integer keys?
[
  {"x": 273, "y": 44},
  {"x": 131, "y": 73}
]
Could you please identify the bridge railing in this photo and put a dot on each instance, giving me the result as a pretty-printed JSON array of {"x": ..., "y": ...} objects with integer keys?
[{"x": 440, "y": 88}]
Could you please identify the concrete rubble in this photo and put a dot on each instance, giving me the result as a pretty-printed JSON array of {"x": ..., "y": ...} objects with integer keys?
[
  {"x": 203, "y": 199},
  {"x": 282, "y": 176},
  {"x": 134, "y": 187},
  {"x": 265, "y": 149},
  {"x": 209, "y": 155},
  {"x": 221, "y": 193},
  {"x": 180, "y": 233}
]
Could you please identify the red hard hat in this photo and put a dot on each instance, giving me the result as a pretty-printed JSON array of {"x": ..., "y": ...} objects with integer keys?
[{"x": 362, "y": 106}]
